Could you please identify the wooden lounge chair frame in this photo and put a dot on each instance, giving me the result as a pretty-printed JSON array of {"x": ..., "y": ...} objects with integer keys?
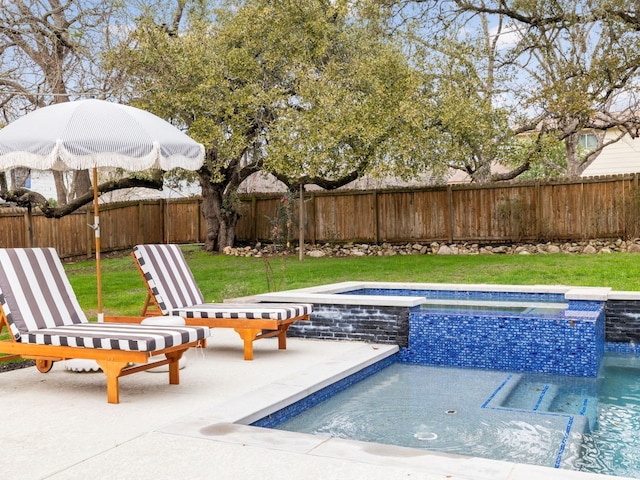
[
  {"x": 249, "y": 329},
  {"x": 113, "y": 362}
]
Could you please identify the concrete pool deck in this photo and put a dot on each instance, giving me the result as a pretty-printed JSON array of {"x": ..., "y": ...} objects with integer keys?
[{"x": 59, "y": 425}]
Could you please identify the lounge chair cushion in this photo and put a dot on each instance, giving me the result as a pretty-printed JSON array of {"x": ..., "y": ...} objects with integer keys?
[
  {"x": 265, "y": 311},
  {"x": 115, "y": 336},
  {"x": 48, "y": 303},
  {"x": 176, "y": 292},
  {"x": 168, "y": 276}
]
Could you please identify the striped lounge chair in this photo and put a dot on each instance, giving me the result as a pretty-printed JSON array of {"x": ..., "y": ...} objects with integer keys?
[
  {"x": 45, "y": 323},
  {"x": 172, "y": 290}
]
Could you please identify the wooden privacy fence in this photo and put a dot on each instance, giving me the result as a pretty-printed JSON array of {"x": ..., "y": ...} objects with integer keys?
[
  {"x": 560, "y": 210},
  {"x": 537, "y": 211},
  {"x": 122, "y": 225}
]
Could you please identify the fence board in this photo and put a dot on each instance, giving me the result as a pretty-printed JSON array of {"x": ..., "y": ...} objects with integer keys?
[
  {"x": 344, "y": 217},
  {"x": 68, "y": 234},
  {"x": 13, "y": 229},
  {"x": 151, "y": 221},
  {"x": 182, "y": 221}
]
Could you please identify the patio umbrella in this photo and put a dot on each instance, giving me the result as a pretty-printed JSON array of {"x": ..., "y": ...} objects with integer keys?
[{"x": 88, "y": 134}]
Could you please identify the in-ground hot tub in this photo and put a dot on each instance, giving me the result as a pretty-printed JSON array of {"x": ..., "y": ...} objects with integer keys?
[{"x": 544, "y": 329}]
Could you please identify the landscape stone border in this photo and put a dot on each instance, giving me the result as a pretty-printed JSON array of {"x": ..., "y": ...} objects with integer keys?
[{"x": 353, "y": 249}]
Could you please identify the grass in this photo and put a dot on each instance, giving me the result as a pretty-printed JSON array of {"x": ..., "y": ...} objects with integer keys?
[{"x": 221, "y": 276}]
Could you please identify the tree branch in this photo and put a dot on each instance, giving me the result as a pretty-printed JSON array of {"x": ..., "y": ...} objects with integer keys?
[
  {"x": 323, "y": 183},
  {"x": 503, "y": 177},
  {"x": 23, "y": 196}
]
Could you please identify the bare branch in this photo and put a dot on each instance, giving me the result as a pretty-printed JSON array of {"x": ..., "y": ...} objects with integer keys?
[
  {"x": 516, "y": 172},
  {"x": 324, "y": 183},
  {"x": 23, "y": 196}
]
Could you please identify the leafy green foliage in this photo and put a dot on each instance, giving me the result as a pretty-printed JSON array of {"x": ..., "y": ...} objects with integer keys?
[
  {"x": 305, "y": 89},
  {"x": 545, "y": 153}
]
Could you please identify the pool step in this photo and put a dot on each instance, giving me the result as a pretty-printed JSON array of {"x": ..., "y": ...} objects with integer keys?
[
  {"x": 529, "y": 396},
  {"x": 540, "y": 397},
  {"x": 586, "y": 407},
  {"x": 504, "y": 391},
  {"x": 548, "y": 394}
]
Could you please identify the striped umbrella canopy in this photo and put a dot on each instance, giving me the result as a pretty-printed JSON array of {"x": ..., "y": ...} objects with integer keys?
[
  {"x": 89, "y": 134},
  {"x": 95, "y": 133}
]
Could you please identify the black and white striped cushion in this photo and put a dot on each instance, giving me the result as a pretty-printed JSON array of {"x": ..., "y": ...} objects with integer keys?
[
  {"x": 116, "y": 336},
  {"x": 168, "y": 276},
  {"x": 35, "y": 292},
  {"x": 270, "y": 311}
]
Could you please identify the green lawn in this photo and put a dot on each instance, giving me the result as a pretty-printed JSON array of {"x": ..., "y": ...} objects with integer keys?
[{"x": 221, "y": 276}]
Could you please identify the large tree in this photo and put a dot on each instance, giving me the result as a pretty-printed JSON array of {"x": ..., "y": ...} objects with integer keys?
[
  {"x": 302, "y": 88},
  {"x": 576, "y": 65},
  {"x": 474, "y": 134}
]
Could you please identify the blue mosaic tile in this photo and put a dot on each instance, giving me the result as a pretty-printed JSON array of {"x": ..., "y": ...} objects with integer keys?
[
  {"x": 290, "y": 411},
  {"x": 567, "y": 341},
  {"x": 571, "y": 343},
  {"x": 622, "y": 347},
  {"x": 461, "y": 294}
]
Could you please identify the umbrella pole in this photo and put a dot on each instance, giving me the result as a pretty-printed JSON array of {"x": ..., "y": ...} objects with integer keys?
[
  {"x": 80, "y": 364},
  {"x": 96, "y": 229}
]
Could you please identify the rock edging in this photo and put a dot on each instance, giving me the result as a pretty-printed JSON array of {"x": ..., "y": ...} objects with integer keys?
[{"x": 353, "y": 249}]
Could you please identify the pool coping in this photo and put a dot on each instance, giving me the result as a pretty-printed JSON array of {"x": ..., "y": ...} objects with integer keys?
[
  {"x": 328, "y": 294},
  {"x": 229, "y": 421}
]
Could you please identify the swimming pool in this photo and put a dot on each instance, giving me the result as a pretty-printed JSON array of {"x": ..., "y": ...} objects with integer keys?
[
  {"x": 566, "y": 336},
  {"x": 584, "y": 424}
]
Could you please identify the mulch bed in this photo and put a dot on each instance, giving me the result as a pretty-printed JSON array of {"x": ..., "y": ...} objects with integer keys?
[{"x": 6, "y": 367}]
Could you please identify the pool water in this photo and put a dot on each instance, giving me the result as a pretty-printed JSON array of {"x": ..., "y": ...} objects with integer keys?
[
  {"x": 614, "y": 446},
  {"x": 586, "y": 424}
]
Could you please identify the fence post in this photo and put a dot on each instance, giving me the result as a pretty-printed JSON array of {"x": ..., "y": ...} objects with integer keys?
[
  {"x": 586, "y": 229},
  {"x": 451, "y": 212},
  {"x": 537, "y": 213},
  {"x": 630, "y": 205},
  {"x": 90, "y": 239},
  {"x": 163, "y": 220},
  {"x": 253, "y": 225},
  {"x": 200, "y": 220},
  {"x": 376, "y": 222},
  {"x": 301, "y": 208},
  {"x": 312, "y": 220},
  {"x": 28, "y": 217},
  {"x": 141, "y": 238}
]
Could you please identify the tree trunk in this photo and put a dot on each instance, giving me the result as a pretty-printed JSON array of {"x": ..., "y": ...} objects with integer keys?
[
  {"x": 573, "y": 159},
  {"x": 227, "y": 234},
  {"x": 482, "y": 173},
  {"x": 81, "y": 183},
  {"x": 61, "y": 188},
  {"x": 220, "y": 219}
]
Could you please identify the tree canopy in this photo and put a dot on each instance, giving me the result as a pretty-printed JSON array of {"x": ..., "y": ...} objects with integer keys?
[
  {"x": 50, "y": 53},
  {"x": 572, "y": 65},
  {"x": 304, "y": 89}
]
